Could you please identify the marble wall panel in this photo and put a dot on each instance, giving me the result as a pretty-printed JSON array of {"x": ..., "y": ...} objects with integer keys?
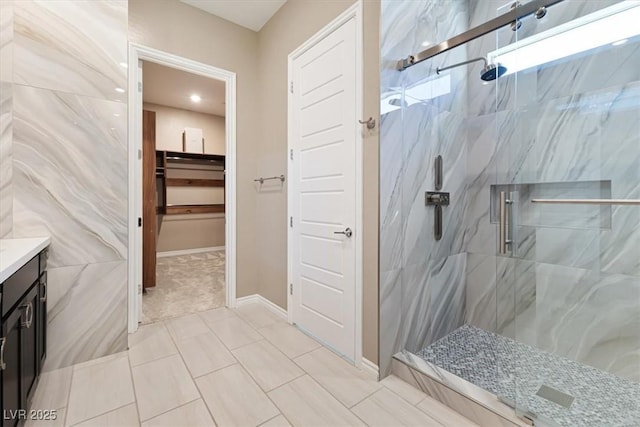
[
  {"x": 590, "y": 317},
  {"x": 74, "y": 47},
  {"x": 6, "y": 41},
  {"x": 411, "y": 138},
  {"x": 70, "y": 174},
  {"x": 88, "y": 317},
  {"x": 391, "y": 169},
  {"x": 69, "y": 162},
  {"x": 392, "y": 330},
  {"x": 6, "y": 159}
]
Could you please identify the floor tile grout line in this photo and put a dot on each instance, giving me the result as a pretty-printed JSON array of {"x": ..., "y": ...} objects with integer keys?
[
  {"x": 364, "y": 398},
  {"x": 66, "y": 412},
  {"x": 215, "y": 370},
  {"x": 333, "y": 395},
  {"x": 133, "y": 384},
  {"x": 105, "y": 413},
  {"x": 154, "y": 360},
  {"x": 193, "y": 379},
  {"x": 169, "y": 410},
  {"x": 274, "y": 417}
]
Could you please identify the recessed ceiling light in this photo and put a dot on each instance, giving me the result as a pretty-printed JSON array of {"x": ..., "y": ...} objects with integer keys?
[
  {"x": 124, "y": 65},
  {"x": 619, "y": 42},
  {"x": 120, "y": 90},
  {"x": 195, "y": 98},
  {"x": 427, "y": 43}
]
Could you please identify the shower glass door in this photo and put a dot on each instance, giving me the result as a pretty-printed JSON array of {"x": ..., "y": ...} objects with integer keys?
[{"x": 568, "y": 126}]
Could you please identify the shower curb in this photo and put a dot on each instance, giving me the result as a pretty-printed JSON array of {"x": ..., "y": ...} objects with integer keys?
[{"x": 478, "y": 405}]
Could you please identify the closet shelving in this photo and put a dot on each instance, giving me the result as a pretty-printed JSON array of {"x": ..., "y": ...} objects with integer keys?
[{"x": 167, "y": 160}]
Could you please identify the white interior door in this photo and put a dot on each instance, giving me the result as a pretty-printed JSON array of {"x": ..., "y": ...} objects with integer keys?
[{"x": 323, "y": 131}]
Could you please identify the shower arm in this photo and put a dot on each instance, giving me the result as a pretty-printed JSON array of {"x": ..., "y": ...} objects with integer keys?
[{"x": 462, "y": 63}]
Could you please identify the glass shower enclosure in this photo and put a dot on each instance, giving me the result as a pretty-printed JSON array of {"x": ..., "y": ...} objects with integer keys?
[{"x": 510, "y": 204}]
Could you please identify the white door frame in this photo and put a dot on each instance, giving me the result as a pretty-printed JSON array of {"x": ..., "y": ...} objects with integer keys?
[
  {"x": 353, "y": 12},
  {"x": 139, "y": 52}
]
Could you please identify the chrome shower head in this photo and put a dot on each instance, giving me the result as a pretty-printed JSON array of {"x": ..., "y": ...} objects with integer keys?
[
  {"x": 492, "y": 71},
  {"x": 489, "y": 71}
]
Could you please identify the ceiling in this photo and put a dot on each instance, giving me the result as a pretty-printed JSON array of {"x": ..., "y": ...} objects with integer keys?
[
  {"x": 173, "y": 88},
  {"x": 251, "y": 14}
]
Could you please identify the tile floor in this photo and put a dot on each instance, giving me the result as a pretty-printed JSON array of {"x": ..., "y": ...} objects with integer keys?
[
  {"x": 240, "y": 367},
  {"x": 185, "y": 284}
]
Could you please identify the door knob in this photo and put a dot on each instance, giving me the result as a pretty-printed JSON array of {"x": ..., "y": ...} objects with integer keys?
[{"x": 347, "y": 232}]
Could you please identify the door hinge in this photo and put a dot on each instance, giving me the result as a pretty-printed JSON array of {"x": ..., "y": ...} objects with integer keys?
[
  {"x": 139, "y": 288},
  {"x": 139, "y": 222},
  {"x": 139, "y": 154},
  {"x": 139, "y": 86},
  {"x": 291, "y": 86},
  {"x": 291, "y": 288},
  {"x": 291, "y": 154},
  {"x": 291, "y": 221}
]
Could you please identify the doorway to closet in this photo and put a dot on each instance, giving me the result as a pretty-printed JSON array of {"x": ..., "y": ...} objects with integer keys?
[
  {"x": 183, "y": 192},
  {"x": 183, "y": 153}
]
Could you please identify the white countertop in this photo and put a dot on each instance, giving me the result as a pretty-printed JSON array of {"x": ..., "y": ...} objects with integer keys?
[{"x": 14, "y": 253}]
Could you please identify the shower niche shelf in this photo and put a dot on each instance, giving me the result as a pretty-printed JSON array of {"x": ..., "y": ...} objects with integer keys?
[{"x": 578, "y": 216}]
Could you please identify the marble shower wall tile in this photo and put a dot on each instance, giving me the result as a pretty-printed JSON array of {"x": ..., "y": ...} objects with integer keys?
[
  {"x": 590, "y": 317},
  {"x": 74, "y": 47},
  {"x": 88, "y": 316},
  {"x": 70, "y": 175},
  {"x": 433, "y": 300},
  {"x": 391, "y": 171},
  {"x": 422, "y": 281},
  {"x": 430, "y": 133},
  {"x": 448, "y": 297},
  {"x": 392, "y": 330},
  {"x": 406, "y": 28},
  {"x": 481, "y": 292},
  {"x": 6, "y": 159},
  {"x": 6, "y": 41}
]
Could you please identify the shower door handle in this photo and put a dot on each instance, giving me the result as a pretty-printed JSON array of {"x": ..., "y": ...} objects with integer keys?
[{"x": 504, "y": 239}]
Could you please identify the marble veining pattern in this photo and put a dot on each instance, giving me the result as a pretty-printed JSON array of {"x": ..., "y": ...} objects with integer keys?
[
  {"x": 87, "y": 313},
  {"x": 6, "y": 160},
  {"x": 63, "y": 47},
  {"x": 516, "y": 371},
  {"x": 570, "y": 122},
  {"x": 185, "y": 284},
  {"x": 6, "y": 41},
  {"x": 68, "y": 162},
  {"x": 70, "y": 175}
]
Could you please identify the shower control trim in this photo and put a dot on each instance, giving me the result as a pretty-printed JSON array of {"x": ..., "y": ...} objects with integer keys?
[{"x": 436, "y": 198}]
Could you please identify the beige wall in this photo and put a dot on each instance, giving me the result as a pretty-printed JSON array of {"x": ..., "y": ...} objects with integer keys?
[
  {"x": 174, "y": 27},
  {"x": 170, "y": 122},
  {"x": 178, "y": 232},
  {"x": 260, "y": 59},
  {"x": 291, "y": 26}
]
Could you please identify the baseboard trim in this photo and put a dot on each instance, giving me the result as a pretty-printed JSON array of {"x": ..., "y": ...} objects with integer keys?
[
  {"x": 189, "y": 251},
  {"x": 259, "y": 299},
  {"x": 370, "y": 368}
]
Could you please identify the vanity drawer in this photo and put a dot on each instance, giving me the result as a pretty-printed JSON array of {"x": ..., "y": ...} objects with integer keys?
[{"x": 19, "y": 283}]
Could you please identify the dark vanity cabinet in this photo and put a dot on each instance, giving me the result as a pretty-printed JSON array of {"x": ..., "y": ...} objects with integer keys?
[{"x": 23, "y": 339}]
